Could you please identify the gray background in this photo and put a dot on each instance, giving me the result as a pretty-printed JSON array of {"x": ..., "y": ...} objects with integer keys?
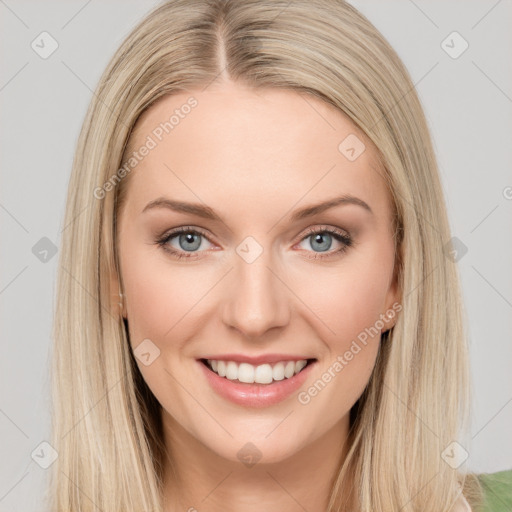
[{"x": 468, "y": 103}]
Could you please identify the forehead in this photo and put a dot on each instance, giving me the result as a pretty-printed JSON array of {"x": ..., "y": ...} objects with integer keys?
[{"x": 272, "y": 145}]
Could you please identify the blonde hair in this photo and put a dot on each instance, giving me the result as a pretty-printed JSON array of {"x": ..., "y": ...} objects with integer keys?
[{"x": 106, "y": 423}]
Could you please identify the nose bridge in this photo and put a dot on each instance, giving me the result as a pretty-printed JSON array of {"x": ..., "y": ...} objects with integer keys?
[{"x": 257, "y": 299}]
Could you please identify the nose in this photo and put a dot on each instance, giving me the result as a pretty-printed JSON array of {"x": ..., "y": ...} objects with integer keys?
[{"x": 257, "y": 299}]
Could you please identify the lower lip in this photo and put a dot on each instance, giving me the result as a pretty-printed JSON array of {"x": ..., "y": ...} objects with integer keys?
[{"x": 256, "y": 395}]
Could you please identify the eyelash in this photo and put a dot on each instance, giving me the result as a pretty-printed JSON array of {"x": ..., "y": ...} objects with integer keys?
[{"x": 346, "y": 240}]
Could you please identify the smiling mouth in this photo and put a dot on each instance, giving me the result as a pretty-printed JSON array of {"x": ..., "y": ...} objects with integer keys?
[{"x": 256, "y": 374}]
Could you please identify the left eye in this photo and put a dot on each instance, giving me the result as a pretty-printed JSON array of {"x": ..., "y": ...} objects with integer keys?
[{"x": 321, "y": 240}]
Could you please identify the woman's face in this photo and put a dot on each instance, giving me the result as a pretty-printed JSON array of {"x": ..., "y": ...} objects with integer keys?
[{"x": 256, "y": 275}]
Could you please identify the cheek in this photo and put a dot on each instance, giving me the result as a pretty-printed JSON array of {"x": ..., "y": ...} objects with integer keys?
[
  {"x": 161, "y": 299},
  {"x": 162, "y": 306},
  {"x": 348, "y": 299},
  {"x": 347, "y": 303}
]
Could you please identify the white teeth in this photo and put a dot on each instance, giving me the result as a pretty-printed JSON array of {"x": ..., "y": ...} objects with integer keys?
[
  {"x": 246, "y": 373},
  {"x": 299, "y": 365},
  {"x": 278, "y": 371},
  {"x": 289, "y": 369},
  {"x": 231, "y": 370},
  {"x": 221, "y": 368},
  {"x": 262, "y": 374}
]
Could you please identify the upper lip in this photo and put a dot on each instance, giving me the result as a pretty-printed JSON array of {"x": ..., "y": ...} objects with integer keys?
[{"x": 256, "y": 360}]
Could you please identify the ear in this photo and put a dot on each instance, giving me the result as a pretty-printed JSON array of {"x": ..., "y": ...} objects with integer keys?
[
  {"x": 117, "y": 301},
  {"x": 393, "y": 301}
]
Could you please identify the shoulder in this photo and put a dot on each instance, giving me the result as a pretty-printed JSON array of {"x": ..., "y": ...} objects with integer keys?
[{"x": 497, "y": 489}]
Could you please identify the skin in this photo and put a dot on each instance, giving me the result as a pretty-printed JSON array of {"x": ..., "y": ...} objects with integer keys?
[{"x": 254, "y": 156}]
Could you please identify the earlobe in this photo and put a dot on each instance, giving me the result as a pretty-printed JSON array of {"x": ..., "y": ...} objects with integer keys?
[
  {"x": 393, "y": 305},
  {"x": 122, "y": 305},
  {"x": 117, "y": 298},
  {"x": 390, "y": 318}
]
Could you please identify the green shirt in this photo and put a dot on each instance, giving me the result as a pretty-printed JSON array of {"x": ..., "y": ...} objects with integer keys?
[{"x": 497, "y": 489}]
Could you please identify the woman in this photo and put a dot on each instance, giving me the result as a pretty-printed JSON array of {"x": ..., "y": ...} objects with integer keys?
[{"x": 256, "y": 309}]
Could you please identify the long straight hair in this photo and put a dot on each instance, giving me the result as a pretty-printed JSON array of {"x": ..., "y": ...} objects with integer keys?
[{"x": 106, "y": 423}]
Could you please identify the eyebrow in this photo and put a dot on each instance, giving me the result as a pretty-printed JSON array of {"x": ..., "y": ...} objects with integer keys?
[{"x": 207, "y": 213}]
